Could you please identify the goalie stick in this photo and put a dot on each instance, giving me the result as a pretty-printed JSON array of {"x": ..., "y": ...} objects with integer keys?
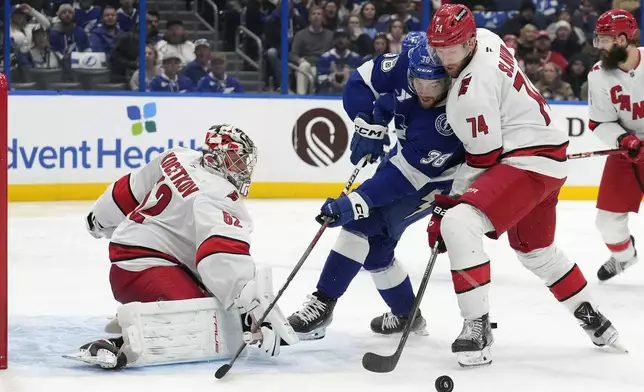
[
  {"x": 385, "y": 364},
  {"x": 595, "y": 153},
  {"x": 221, "y": 372}
]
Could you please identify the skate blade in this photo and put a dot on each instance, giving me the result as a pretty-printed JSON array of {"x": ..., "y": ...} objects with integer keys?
[
  {"x": 421, "y": 332},
  {"x": 104, "y": 359},
  {"x": 313, "y": 335},
  {"x": 472, "y": 359},
  {"x": 617, "y": 345}
]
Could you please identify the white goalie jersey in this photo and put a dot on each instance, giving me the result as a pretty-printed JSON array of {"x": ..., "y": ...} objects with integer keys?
[{"x": 174, "y": 212}]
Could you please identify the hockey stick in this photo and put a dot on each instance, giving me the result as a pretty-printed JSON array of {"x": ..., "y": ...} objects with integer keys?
[
  {"x": 221, "y": 372},
  {"x": 385, "y": 364},
  {"x": 595, "y": 153}
]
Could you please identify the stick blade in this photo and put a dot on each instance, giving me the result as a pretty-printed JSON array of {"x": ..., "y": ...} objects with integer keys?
[
  {"x": 221, "y": 372},
  {"x": 378, "y": 363}
]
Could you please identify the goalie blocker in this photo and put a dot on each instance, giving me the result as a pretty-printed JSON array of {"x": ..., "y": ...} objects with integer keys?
[{"x": 192, "y": 330}]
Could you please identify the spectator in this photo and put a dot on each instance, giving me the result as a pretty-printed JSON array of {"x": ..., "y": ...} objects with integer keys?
[
  {"x": 583, "y": 94},
  {"x": 360, "y": 41},
  {"x": 273, "y": 40},
  {"x": 13, "y": 59},
  {"x": 103, "y": 36},
  {"x": 564, "y": 14},
  {"x": 20, "y": 27},
  {"x": 217, "y": 80},
  {"x": 527, "y": 15},
  {"x": 368, "y": 19},
  {"x": 576, "y": 74},
  {"x": 152, "y": 69},
  {"x": 197, "y": 69},
  {"x": 65, "y": 37},
  {"x": 396, "y": 34},
  {"x": 551, "y": 86},
  {"x": 86, "y": 15},
  {"x": 152, "y": 27},
  {"x": 40, "y": 54},
  {"x": 411, "y": 23},
  {"x": 380, "y": 46},
  {"x": 532, "y": 67},
  {"x": 547, "y": 8},
  {"x": 585, "y": 18},
  {"x": 542, "y": 48},
  {"x": 331, "y": 19},
  {"x": 308, "y": 46},
  {"x": 565, "y": 42},
  {"x": 591, "y": 53},
  {"x": 127, "y": 15},
  {"x": 511, "y": 41},
  {"x": 526, "y": 41},
  {"x": 175, "y": 40},
  {"x": 257, "y": 12},
  {"x": 169, "y": 80},
  {"x": 334, "y": 66}
]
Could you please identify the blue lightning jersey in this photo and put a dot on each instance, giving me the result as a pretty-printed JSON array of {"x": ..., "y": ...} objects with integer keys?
[{"x": 427, "y": 153}]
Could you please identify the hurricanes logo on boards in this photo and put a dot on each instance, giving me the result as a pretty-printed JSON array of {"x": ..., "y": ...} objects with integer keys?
[
  {"x": 320, "y": 137},
  {"x": 142, "y": 118}
]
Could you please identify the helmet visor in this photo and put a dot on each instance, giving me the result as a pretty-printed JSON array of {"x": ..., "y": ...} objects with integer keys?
[
  {"x": 603, "y": 41},
  {"x": 451, "y": 55}
]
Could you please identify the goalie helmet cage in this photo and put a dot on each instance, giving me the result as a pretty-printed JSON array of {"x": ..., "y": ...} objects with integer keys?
[{"x": 4, "y": 271}]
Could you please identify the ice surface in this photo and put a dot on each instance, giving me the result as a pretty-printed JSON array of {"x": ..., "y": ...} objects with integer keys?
[{"x": 60, "y": 299}]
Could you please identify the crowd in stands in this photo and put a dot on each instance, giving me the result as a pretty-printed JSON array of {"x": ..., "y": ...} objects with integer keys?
[{"x": 327, "y": 39}]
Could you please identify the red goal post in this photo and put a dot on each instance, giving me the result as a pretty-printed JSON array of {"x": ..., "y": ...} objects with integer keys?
[{"x": 4, "y": 271}]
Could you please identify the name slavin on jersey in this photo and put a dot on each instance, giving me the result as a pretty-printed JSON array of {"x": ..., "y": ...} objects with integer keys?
[
  {"x": 506, "y": 62},
  {"x": 624, "y": 102},
  {"x": 178, "y": 175}
]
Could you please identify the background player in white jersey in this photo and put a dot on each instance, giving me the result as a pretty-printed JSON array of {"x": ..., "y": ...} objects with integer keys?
[
  {"x": 616, "y": 114},
  {"x": 514, "y": 169},
  {"x": 179, "y": 232}
]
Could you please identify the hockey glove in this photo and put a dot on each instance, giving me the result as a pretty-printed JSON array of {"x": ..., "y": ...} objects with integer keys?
[
  {"x": 344, "y": 209},
  {"x": 633, "y": 144},
  {"x": 369, "y": 139},
  {"x": 93, "y": 227},
  {"x": 442, "y": 203}
]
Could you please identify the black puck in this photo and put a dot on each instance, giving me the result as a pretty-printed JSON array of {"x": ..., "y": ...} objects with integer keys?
[{"x": 444, "y": 384}]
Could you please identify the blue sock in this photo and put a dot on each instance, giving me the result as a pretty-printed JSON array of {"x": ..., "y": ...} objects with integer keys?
[
  {"x": 337, "y": 274},
  {"x": 400, "y": 298}
]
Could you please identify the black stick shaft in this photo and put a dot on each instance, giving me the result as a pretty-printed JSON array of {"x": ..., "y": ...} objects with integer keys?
[
  {"x": 221, "y": 372},
  {"x": 595, "y": 153}
]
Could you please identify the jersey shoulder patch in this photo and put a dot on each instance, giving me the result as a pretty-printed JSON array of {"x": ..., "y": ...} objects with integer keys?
[
  {"x": 389, "y": 61},
  {"x": 595, "y": 67},
  {"x": 465, "y": 84}
]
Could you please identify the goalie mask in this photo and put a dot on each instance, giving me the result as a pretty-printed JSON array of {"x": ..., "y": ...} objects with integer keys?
[{"x": 230, "y": 152}]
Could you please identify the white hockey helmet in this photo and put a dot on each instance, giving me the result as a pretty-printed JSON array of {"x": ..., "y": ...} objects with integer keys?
[{"x": 229, "y": 151}]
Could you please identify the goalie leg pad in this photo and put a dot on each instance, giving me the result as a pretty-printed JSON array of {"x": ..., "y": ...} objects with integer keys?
[{"x": 168, "y": 332}]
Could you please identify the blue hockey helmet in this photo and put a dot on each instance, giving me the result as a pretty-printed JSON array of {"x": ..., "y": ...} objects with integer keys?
[
  {"x": 412, "y": 39},
  {"x": 427, "y": 76}
]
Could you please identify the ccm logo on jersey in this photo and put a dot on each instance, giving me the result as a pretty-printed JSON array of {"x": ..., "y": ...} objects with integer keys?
[
  {"x": 370, "y": 133},
  {"x": 624, "y": 102}
]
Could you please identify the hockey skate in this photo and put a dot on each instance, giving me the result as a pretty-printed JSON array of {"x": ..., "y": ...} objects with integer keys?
[
  {"x": 310, "y": 323},
  {"x": 598, "y": 327},
  {"x": 389, "y": 323},
  {"x": 613, "y": 267},
  {"x": 472, "y": 346},
  {"x": 105, "y": 353}
]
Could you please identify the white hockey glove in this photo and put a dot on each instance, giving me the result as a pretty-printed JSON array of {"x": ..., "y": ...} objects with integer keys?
[
  {"x": 253, "y": 300},
  {"x": 96, "y": 229}
]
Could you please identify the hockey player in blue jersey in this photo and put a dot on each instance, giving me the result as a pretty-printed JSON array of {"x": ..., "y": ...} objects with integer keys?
[{"x": 408, "y": 88}]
